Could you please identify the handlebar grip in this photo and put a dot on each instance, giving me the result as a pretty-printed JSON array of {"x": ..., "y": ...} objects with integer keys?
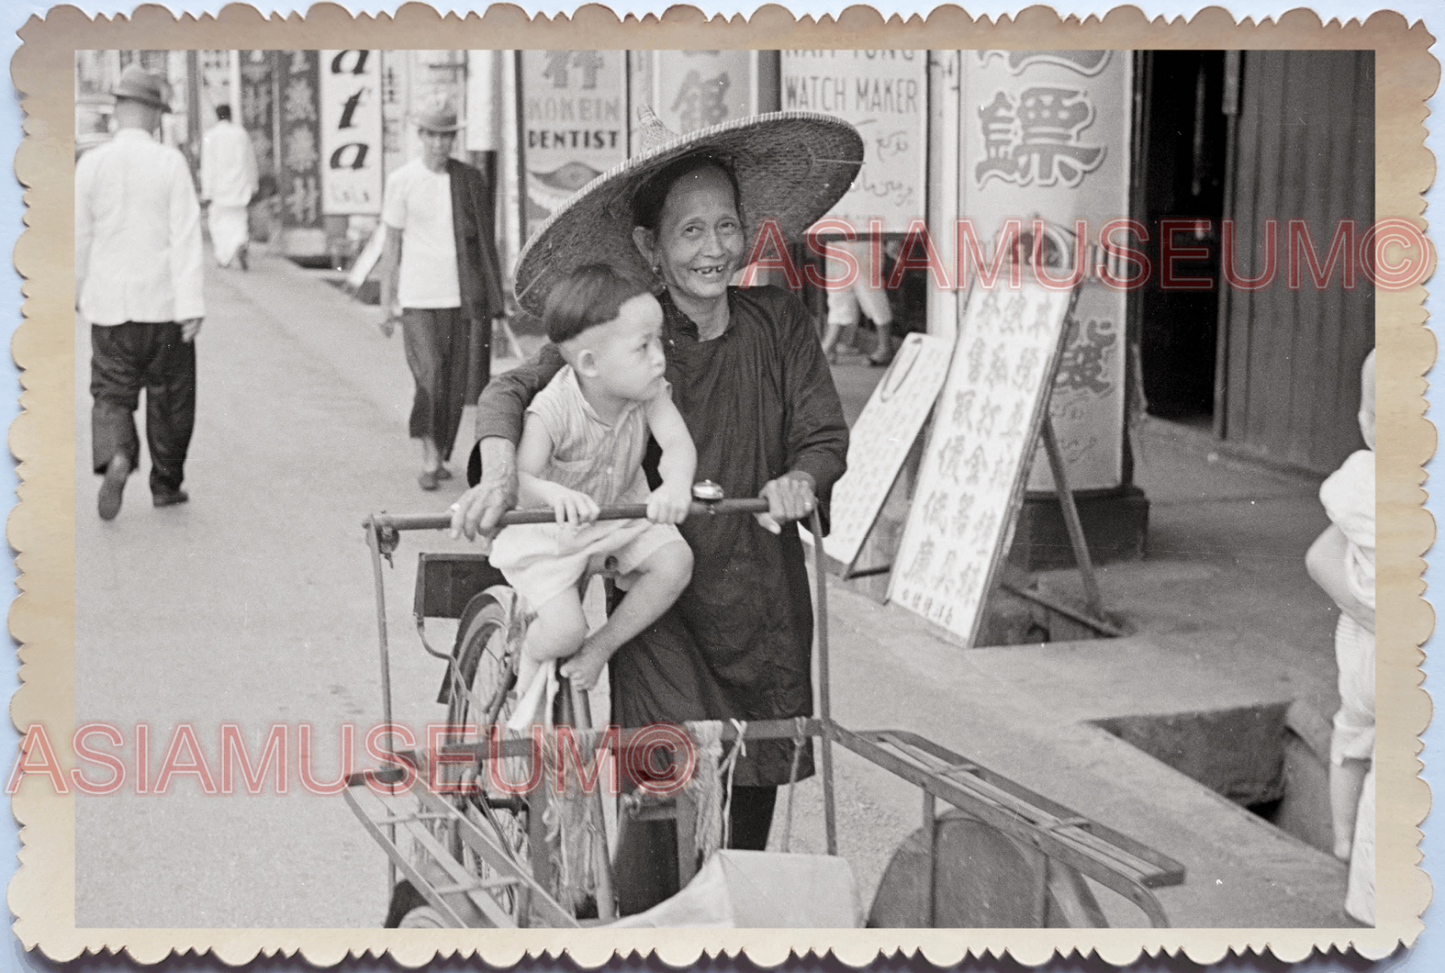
[{"x": 539, "y": 515}]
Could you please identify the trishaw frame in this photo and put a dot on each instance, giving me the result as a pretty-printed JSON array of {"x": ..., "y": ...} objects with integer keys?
[{"x": 1081, "y": 847}]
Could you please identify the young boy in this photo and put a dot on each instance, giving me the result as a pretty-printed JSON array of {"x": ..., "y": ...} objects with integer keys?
[
  {"x": 582, "y": 445},
  {"x": 1342, "y": 562}
]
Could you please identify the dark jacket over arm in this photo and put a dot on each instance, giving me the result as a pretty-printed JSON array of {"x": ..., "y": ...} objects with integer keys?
[
  {"x": 504, "y": 402},
  {"x": 478, "y": 270}
]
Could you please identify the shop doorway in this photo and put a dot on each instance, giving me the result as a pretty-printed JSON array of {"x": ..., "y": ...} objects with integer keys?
[{"x": 1181, "y": 152}]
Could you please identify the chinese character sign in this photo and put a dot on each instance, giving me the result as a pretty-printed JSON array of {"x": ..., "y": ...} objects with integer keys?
[
  {"x": 695, "y": 89},
  {"x": 1046, "y": 135},
  {"x": 574, "y": 119},
  {"x": 885, "y": 95},
  {"x": 880, "y": 440},
  {"x": 351, "y": 148},
  {"x": 258, "y": 113},
  {"x": 984, "y": 427},
  {"x": 1034, "y": 139},
  {"x": 300, "y": 153}
]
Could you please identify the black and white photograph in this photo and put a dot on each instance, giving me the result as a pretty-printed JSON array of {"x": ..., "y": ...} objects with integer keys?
[{"x": 661, "y": 487}]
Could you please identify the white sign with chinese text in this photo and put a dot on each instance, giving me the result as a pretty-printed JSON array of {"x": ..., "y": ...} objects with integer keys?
[
  {"x": 984, "y": 430},
  {"x": 885, "y": 95},
  {"x": 696, "y": 89},
  {"x": 351, "y": 147},
  {"x": 574, "y": 123},
  {"x": 1046, "y": 136},
  {"x": 879, "y": 441}
]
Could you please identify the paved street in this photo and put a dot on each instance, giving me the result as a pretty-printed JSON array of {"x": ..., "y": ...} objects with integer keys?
[{"x": 253, "y": 605}]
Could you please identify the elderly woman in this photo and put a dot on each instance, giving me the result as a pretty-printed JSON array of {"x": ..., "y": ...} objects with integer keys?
[{"x": 751, "y": 381}]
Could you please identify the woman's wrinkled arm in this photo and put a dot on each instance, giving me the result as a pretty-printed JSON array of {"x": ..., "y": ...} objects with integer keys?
[
  {"x": 504, "y": 401},
  {"x": 500, "y": 410}
]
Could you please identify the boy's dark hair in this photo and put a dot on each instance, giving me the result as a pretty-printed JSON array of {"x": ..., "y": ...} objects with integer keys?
[
  {"x": 587, "y": 297},
  {"x": 223, "y": 113}
]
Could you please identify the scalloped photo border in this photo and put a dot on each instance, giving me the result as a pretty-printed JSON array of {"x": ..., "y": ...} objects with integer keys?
[{"x": 41, "y": 527}]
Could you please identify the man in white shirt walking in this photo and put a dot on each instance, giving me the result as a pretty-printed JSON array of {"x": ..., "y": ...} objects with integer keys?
[
  {"x": 228, "y": 183},
  {"x": 439, "y": 264},
  {"x": 138, "y": 269}
]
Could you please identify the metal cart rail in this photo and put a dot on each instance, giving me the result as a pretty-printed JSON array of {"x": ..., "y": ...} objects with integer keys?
[{"x": 468, "y": 875}]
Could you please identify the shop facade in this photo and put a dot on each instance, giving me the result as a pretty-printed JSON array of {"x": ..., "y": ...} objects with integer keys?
[{"x": 1118, "y": 160}]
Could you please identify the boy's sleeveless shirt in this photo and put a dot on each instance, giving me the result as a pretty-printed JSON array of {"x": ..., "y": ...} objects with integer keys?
[{"x": 589, "y": 455}]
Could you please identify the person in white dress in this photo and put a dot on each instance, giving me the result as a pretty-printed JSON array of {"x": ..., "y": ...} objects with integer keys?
[{"x": 228, "y": 184}]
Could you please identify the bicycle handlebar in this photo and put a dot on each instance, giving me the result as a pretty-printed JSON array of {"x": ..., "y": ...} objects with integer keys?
[{"x": 542, "y": 515}]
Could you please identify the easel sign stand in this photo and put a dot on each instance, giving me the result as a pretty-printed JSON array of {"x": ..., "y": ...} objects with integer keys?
[
  {"x": 878, "y": 446},
  {"x": 990, "y": 418}
]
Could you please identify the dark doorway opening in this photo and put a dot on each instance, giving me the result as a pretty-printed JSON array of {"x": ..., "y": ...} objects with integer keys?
[{"x": 1182, "y": 154}]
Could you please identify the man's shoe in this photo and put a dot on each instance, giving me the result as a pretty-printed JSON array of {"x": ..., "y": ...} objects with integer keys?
[
  {"x": 428, "y": 480},
  {"x": 443, "y": 473},
  {"x": 169, "y": 498},
  {"x": 113, "y": 486}
]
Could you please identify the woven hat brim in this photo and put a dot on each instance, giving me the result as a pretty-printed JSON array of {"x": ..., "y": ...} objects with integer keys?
[
  {"x": 420, "y": 121},
  {"x": 791, "y": 167}
]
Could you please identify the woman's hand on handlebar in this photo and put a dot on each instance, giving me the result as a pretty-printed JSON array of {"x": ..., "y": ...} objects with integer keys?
[
  {"x": 481, "y": 507},
  {"x": 790, "y": 497}
]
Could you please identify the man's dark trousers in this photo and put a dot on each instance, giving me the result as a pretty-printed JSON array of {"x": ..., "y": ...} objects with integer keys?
[{"x": 126, "y": 358}]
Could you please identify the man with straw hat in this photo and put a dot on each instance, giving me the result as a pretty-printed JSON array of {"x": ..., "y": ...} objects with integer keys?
[
  {"x": 138, "y": 279},
  {"x": 751, "y": 382},
  {"x": 439, "y": 266}
]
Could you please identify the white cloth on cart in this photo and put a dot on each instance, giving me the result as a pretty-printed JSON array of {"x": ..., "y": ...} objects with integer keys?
[{"x": 760, "y": 890}]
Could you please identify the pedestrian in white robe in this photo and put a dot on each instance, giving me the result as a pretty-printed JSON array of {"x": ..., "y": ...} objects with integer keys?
[{"x": 228, "y": 184}]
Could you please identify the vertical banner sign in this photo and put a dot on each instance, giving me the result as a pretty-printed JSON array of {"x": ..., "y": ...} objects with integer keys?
[
  {"x": 574, "y": 124},
  {"x": 696, "y": 89},
  {"x": 351, "y": 149},
  {"x": 1046, "y": 136},
  {"x": 258, "y": 112},
  {"x": 885, "y": 95},
  {"x": 394, "y": 96},
  {"x": 300, "y": 158}
]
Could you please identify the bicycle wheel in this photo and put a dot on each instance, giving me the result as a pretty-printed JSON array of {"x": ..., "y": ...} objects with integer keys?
[{"x": 485, "y": 657}]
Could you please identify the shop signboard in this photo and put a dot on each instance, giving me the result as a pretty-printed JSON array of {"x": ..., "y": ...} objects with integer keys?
[
  {"x": 350, "y": 125},
  {"x": 984, "y": 428},
  {"x": 695, "y": 89},
  {"x": 258, "y": 108},
  {"x": 885, "y": 95},
  {"x": 574, "y": 124},
  {"x": 300, "y": 150},
  {"x": 1045, "y": 135},
  {"x": 879, "y": 442}
]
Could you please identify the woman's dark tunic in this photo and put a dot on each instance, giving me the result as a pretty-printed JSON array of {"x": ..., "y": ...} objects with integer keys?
[{"x": 759, "y": 402}]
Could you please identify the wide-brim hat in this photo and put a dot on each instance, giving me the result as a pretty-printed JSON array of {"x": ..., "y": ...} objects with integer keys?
[
  {"x": 437, "y": 117},
  {"x": 791, "y": 167},
  {"x": 138, "y": 84}
]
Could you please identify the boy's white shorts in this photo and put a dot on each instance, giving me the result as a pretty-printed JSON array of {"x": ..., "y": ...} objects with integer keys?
[{"x": 541, "y": 561}]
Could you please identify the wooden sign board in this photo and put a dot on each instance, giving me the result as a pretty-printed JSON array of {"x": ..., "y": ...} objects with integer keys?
[
  {"x": 880, "y": 440},
  {"x": 983, "y": 437}
]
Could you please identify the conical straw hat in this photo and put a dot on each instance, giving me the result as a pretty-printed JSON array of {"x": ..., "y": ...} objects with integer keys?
[{"x": 791, "y": 167}]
